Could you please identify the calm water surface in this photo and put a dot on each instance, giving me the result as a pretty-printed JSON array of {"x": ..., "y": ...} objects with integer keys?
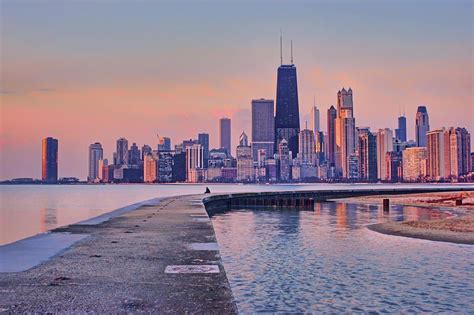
[{"x": 327, "y": 261}]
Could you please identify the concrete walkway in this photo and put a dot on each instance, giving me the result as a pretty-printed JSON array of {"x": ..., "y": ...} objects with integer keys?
[{"x": 161, "y": 258}]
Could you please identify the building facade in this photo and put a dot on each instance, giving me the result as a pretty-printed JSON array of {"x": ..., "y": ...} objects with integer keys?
[
  {"x": 263, "y": 127},
  {"x": 245, "y": 170},
  {"x": 49, "y": 160},
  {"x": 225, "y": 134},
  {"x": 422, "y": 126},
  {"x": 287, "y": 115},
  {"x": 121, "y": 152},
  {"x": 368, "y": 156},
  {"x": 384, "y": 145},
  {"x": 307, "y": 147},
  {"x": 331, "y": 143},
  {"x": 96, "y": 153},
  {"x": 401, "y": 131},
  {"x": 345, "y": 139},
  {"x": 194, "y": 163},
  {"x": 414, "y": 164}
]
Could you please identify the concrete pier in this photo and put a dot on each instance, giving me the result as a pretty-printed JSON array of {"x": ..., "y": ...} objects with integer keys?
[{"x": 156, "y": 259}]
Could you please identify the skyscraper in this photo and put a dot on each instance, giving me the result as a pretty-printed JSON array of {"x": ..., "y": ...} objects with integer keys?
[
  {"x": 435, "y": 165},
  {"x": 307, "y": 147},
  {"x": 96, "y": 153},
  {"x": 332, "y": 114},
  {"x": 414, "y": 163},
  {"x": 263, "y": 127},
  {"x": 384, "y": 145},
  {"x": 203, "y": 139},
  {"x": 284, "y": 157},
  {"x": 401, "y": 131},
  {"x": 287, "y": 116},
  {"x": 49, "y": 160},
  {"x": 245, "y": 171},
  {"x": 133, "y": 155},
  {"x": 194, "y": 163},
  {"x": 422, "y": 126},
  {"x": 367, "y": 156},
  {"x": 315, "y": 126},
  {"x": 121, "y": 153},
  {"x": 345, "y": 141},
  {"x": 225, "y": 134},
  {"x": 150, "y": 170}
]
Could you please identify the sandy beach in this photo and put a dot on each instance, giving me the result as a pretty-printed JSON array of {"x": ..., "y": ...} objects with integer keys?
[{"x": 455, "y": 229}]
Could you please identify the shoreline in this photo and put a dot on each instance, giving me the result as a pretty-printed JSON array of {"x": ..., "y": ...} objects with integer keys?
[{"x": 458, "y": 228}]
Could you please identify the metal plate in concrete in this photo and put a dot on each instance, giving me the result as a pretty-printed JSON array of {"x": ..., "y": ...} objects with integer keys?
[
  {"x": 203, "y": 246},
  {"x": 192, "y": 269}
]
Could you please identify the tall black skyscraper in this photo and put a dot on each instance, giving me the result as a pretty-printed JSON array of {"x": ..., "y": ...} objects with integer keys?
[
  {"x": 401, "y": 131},
  {"x": 332, "y": 114},
  {"x": 49, "y": 159},
  {"x": 287, "y": 116}
]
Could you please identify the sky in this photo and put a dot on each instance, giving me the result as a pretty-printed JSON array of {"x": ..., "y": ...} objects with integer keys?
[{"x": 95, "y": 71}]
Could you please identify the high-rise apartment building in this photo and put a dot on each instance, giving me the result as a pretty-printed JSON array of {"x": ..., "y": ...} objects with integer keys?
[
  {"x": 133, "y": 155},
  {"x": 384, "y": 145},
  {"x": 164, "y": 144},
  {"x": 345, "y": 133},
  {"x": 367, "y": 156},
  {"x": 150, "y": 168},
  {"x": 314, "y": 115},
  {"x": 245, "y": 171},
  {"x": 263, "y": 127},
  {"x": 225, "y": 134},
  {"x": 307, "y": 147},
  {"x": 102, "y": 168},
  {"x": 96, "y": 153},
  {"x": 414, "y": 163},
  {"x": 203, "y": 140},
  {"x": 49, "y": 160},
  {"x": 422, "y": 126},
  {"x": 332, "y": 114},
  {"x": 284, "y": 159},
  {"x": 121, "y": 153},
  {"x": 195, "y": 163},
  {"x": 435, "y": 166}
]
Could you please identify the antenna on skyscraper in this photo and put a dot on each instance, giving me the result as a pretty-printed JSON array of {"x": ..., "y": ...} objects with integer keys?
[
  {"x": 291, "y": 50},
  {"x": 314, "y": 100},
  {"x": 281, "y": 48}
]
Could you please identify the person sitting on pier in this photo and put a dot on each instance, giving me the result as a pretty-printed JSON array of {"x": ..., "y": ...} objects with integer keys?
[{"x": 208, "y": 191}]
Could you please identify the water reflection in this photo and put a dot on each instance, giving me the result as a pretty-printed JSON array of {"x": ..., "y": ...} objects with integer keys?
[
  {"x": 48, "y": 219},
  {"x": 326, "y": 261}
]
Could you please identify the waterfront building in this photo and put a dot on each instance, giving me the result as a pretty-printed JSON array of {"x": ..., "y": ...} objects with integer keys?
[
  {"x": 393, "y": 161},
  {"x": 307, "y": 147},
  {"x": 245, "y": 171},
  {"x": 367, "y": 156},
  {"x": 384, "y": 145},
  {"x": 134, "y": 155},
  {"x": 287, "y": 115},
  {"x": 272, "y": 170},
  {"x": 263, "y": 127},
  {"x": 96, "y": 153},
  {"x": 422, "y": 126},
  {"x": 284, "y": 159},
  {"x": 179, "y": 167},
  {"x": 401, "y": 131},
  {"x": 108, "y": 173},
  {"x": 332, "y": 114},
  {"x": 203, "y": 140},
  {"x": 229, "y": 174},
  {"x": 165, "y": 166},
  {"x": 101, "y": 165},
  {"x": 322, "y": 171},
  {"x": 296, "y": 173},
  {"x": 150, "y": 169},
  {"x": 121, "y": 153},
  {"x": 194, "y": 163},
  {"x": 225, "y": 134},
  {"x": 307, "y": 172},
  {"x": 314, "y": 115},
  {"x": 345, "y": 139},
  {"x": 353, "y": 161},
  {"x": 320, "y": 151},
  {"x": 49, "y": 160},
  {"x": 146, "y": 149},
  {"x": 472, "y": 162},
  {"x": 414, "y": 163},
  {"x": 435, "y": 166},
  {"x": 459, "y": 152},
  {"x": 164, "y": 144}
]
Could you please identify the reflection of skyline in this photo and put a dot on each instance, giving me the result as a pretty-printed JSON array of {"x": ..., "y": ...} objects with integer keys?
[{"x": 48, "y": 219}]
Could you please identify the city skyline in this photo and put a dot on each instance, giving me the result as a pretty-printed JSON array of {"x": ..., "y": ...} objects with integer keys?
[{"x": 88, "y": 107}]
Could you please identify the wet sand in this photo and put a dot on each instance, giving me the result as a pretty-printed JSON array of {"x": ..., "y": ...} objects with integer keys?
[{"x": 456, "y": 229}]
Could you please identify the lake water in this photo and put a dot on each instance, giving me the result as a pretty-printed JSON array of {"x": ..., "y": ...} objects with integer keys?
[
  {"x": 326, "y": 261},
  {"x": 26, "y": 210}
]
